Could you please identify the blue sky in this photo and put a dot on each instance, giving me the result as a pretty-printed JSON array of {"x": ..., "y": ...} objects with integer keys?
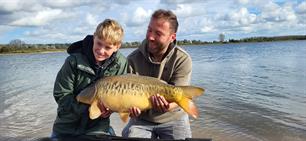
[{"x": 66, "y": 21}]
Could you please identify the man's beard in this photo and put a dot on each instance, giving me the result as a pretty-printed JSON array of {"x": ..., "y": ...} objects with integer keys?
[{"x": 158, "y": 47}]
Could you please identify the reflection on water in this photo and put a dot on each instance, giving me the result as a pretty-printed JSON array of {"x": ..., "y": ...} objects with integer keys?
[
  {"x": 254, "y": 91},
  {"x": 27, "y": 106}
]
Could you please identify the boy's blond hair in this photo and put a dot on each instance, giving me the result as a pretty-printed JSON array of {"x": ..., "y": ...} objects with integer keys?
[{"x": 110, "y": 31}]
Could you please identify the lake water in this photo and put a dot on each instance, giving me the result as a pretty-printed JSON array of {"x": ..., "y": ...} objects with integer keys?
[{"x": 254, "y": 92}]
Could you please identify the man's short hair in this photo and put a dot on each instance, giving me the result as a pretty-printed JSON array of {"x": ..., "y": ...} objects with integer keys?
[
  {"x": 167, "y": 15},
  {"x": 110, "y": 31}
]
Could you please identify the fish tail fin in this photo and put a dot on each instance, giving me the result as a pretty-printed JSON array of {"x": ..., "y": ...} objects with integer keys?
[
  {"x": 186, "y": 101},
  {"x": 189, "y": 107},
  {"x": 191, "y": 91}
]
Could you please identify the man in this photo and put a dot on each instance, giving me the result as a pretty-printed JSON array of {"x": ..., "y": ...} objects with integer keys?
[
  {"x": 158, "y": 56},
  {"x": 90, "y": 59}
]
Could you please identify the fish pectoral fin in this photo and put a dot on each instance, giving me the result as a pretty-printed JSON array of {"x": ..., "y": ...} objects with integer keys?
[
  {"x": 189, "y": 107},
  {"x": 191, "y": 91},
  {"x": 124, "y": 117},
  {"x": 94, "y": 111},
  {"x": 87, "y": 95}
]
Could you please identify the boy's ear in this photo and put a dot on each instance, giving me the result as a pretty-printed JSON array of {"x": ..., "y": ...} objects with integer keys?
[{"x": 117, "y": 47}]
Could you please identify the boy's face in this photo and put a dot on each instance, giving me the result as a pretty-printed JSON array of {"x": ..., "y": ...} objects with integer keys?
[{"x": 102, "y": 49}]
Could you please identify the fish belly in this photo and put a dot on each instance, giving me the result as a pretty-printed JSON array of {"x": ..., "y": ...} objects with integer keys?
[{"x": 123, "y": 102}]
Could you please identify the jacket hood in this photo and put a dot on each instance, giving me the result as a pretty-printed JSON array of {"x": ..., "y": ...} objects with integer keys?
[{"x": 84, "y": 47}]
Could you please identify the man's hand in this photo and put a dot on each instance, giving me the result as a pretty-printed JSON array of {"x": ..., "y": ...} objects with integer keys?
[
  {"x": 134, "y": 112},
  {"x": 105, "y": 112},
  {"x": 159, "y": 103}
]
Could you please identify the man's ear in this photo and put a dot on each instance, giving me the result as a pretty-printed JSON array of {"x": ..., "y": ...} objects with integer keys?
[{"x": 173, "y": 37}]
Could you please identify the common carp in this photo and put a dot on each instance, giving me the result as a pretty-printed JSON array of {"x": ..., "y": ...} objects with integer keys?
[{"x": 120, "y": 93}]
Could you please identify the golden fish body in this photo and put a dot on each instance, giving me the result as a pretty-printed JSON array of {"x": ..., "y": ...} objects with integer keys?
[{"x": 120, "y": 93}]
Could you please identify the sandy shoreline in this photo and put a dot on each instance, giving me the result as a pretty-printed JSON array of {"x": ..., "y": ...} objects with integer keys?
[{"x": 42, "y": 52}]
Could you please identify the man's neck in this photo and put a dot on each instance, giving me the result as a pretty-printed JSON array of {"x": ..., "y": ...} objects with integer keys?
[
  {"x": 160, "y": 56},
  {"x": 157, "y": 57}
]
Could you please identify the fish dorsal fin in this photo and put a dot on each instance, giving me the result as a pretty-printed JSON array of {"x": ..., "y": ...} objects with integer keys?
[
  {"x": 191, "y": 91},
  {"x": 139, "y": 79},
  {"x": 87, "y": 95},
  {"x": 94, "y": 111},
  {"x": 124, "y": 117}
]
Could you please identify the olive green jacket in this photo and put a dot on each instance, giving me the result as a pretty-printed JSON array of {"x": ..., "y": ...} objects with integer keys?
[
  {"x": 74, "y": 76},
  {"x": 175, "y": 69}
]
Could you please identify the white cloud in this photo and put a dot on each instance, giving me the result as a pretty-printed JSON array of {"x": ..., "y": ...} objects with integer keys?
[
  {"x": 54, "y": 35},
  {"x": 186, "y": 8},
  {"x": 183, "y": 10},
  {"x": 91, "y": 19},
  {"x": 139, "y": 17},
  {"x": 237, "y": 20},
  {"x": 301, "y": 13},
  {"x": 242, "y": 17},
  {"x": 208, "y": 28},
  {"x": 198, "y": 19},
  {"x": 301, "y": 8},
  {"x": 275, "y": 13},
  {"x": 123, "y": 2},
  {"x": 13, "y": 5},
  {"x": 41, "y": 18},
  {"x": 247, "y": 29},
  {"x": 243, "y": 1},
  {"x": 179, "y": 1},
  {"x": 67, "y": 3},
  {"x": 16, "y": 11}
]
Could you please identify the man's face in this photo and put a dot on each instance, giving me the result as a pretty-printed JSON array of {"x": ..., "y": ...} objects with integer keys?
[
  {"x": 159, "y": 36},
  {"x": 102, "y": 49}
]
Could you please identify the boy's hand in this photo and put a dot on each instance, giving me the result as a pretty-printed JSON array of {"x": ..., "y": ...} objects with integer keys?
[{"x": 105, "y": 112}]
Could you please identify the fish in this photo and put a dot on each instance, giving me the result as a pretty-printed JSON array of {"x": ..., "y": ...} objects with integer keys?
[{"x": 121, "y": 92}]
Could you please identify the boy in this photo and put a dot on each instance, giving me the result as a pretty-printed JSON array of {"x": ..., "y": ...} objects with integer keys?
[{"x": 92, "y": 58}]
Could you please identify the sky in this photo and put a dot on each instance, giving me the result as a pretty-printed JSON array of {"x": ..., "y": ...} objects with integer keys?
[{"x": 67, "y": 21}]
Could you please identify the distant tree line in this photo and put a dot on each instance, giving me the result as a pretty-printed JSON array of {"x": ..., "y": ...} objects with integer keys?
[
  {"x": 251, "y": 39},
  {"x": 19, "y": 46},
  {"x": 269, "y": 39}
]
